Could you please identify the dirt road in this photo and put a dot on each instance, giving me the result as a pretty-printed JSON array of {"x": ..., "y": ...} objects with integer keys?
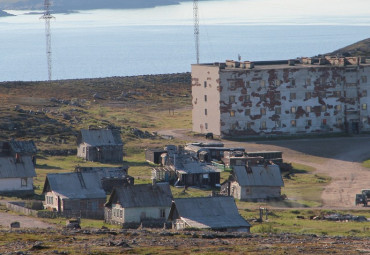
[
  {"x": 340, "y": 158},
  {"x": 25, "y": 221}
]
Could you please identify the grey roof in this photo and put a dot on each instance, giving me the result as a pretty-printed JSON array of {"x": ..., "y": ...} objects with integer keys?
[
  {"x": 259, "y": 175},
  {"x": 23, "y": 147},
  {"x": 195, "y": 167},
  {"x": 142, "y": 195},
  {"x": 105, "y": 172},
  {"x": 101, "y": 137},
  {"x": 209, "y": 212},
  {"x": 10, "y": 169},
  {"x": 75, "y": 185}
]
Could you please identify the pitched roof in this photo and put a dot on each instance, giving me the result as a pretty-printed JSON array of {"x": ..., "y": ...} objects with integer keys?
[
  {"x": 209, "y": 212},
  {"x": 23, "y": 147},
  {"x": 105, "y": 172},
  {"x": 9, "y": 168},
  {"x": 75, "y": 185},
  {"x": 99, "y": 137},
  {"x": 142, "y": 195},
  {"x": 259, "y": 176}
]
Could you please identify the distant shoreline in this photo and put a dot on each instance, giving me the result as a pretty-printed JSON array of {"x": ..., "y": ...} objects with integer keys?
[
  {"x": 5, "y": 14},
  {"x": 70, "y": 6}
]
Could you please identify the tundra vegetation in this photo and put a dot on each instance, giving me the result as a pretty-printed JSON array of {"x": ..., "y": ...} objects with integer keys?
[{"x": 51, "y": 113}]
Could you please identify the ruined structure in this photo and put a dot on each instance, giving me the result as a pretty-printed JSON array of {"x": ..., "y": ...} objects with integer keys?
[
  {"x": 300, "y": 96},
  {"x": 100, "y": 145}
]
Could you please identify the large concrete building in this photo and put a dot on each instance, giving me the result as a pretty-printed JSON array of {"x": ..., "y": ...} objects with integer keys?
[{"x": 300, "y": 96}]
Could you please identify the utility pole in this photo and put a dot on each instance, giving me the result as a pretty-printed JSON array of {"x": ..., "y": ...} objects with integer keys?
[
  {"x": 47, "y": 17},
  {"x": 196, "y": 28}
]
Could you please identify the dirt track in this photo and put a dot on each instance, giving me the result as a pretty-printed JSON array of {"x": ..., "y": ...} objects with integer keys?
[
  {"x": 25, "y": 222},
  {"x": 340, "y": 158}
]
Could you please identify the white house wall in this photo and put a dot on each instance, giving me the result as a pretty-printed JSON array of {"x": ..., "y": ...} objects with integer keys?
[
  {"x": 15, "y": 184},
  {"x": 134, "y": 214}
]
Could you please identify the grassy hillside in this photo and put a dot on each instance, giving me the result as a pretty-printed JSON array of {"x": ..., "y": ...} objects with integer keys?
[
  {"x": 361, "y": 48},
  {"x": 51, "y": 113}
]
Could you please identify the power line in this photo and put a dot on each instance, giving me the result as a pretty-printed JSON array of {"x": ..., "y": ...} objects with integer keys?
[
  {"x": 47, "y": 17},
  {"x": 196, "y": 28}
]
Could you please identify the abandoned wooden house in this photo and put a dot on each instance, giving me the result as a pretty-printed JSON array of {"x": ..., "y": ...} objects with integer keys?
[
  {"x": 110, "y": 177},
  {"x": 180, "y": 168},
  {"x": 153, "y": 155},
  {"x": 75, "y": 194},
  {"x": 207, "y": 152},
  {"x": 253, "y": 183},
  {"x": 100, "y": 145},
  {"x": 132, "y": 205},
  {"x": 16, "y": 174},
  {"x": 216, "y": 213}
]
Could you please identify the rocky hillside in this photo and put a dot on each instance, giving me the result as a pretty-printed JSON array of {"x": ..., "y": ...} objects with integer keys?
[
  {"x": 361, "y": 48},
  {"x": 4, "y": 14}
]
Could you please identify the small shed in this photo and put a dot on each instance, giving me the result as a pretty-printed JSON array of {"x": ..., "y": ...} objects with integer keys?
[
  {"x": 75, "y": 195},
  {"x": 100, "y": 145},
  {"x": 153, "y": 155},
  {"x": 216, "y": 213},
  {"x": 16, "y": 174},
  {"x": 259, "y": 182},
  {"x": 132, "y": 205}
]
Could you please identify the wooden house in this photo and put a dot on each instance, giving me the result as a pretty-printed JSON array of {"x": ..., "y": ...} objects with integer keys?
[
  {"x": 132, "y": 205},
  {"x": 100, "y": 145},
  {"x": 216, "y": 213},
  {"x": 75, "y": 194}
]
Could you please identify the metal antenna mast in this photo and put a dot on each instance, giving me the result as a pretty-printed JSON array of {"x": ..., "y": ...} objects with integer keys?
[
  {"x": 196, "y": 28},
  {"x": 47, "y": 17}
]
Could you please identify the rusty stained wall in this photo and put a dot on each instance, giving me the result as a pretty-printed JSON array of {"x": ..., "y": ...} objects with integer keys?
[
  {"x": 202, "y": 122},
  {"x": 327, "y": 91}
]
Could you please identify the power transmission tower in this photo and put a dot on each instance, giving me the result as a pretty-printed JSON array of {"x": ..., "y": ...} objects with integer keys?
[
  {"x": 47, "y": 17},
  {"x": 196, "y": 28}
]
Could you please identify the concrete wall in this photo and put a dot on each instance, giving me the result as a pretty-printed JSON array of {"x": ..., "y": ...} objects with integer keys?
[
  {"x": 15, "y": 184},
  {"x": 205, "y": 83},
  {"x": 283, "y": 99}
]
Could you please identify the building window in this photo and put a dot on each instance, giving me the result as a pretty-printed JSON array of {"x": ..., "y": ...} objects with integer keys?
[
  {"x": 364, "y": 106},
  {"x": 263, "y": 97},
  {"x": 339, "y": 121},
  {"x": 205, "y": 111},
  {"x": 49, "y": 200},
  {"x": 324, "y": 122},
  {"x": 293, "y": 109},
  {"x": 309, "y": 123},
  {"x": 278, "y": 124},
  {"x": 323, "y": 108},
  {"x": 277, "y": 96},
  {"x": 364, "y": 79},
  {"x": 322, "y": 94},
  {"x": 364, "y": 93},
  {"x": 247, "y": 84},
  {"x": 308, "y": 95},
  {"x": 206, "y": 125},
  {"x": 277, "y": 82},
  {"x": 24, "y": 182},
  {"x": 231, "y": 99},
  {"x": 308, "y": 108},
  {"x": 338, "y": 107},
  {"x": 308, "y": 82},
  {"x": 263, "y": 124},
  {"x": 205, "y": 98},
  {"x": 83, "y": 149},
  {"x": 247, "y": 98},
  {"x": 292, "y": 82},
  {"x": 263, "y": 111},
  {"x": 205, "y": 84},
  {"x": 249, "y": 125},
  {"x": 232, "y": 113},
  {"x": 121, "y": 214},
  {"x": 293, "y": 123},
  {"x": 339, "y": 80},
  {"x": 277, "y": 110},
  {"x": 337, "y": 93},
  {"x": 247, "y": 112},
  {"x": 162, "y": 213},
  {"x": 262, "y": 83},
  {"x": 231, "y": 84},
  {"x": 293, "y": 96}
]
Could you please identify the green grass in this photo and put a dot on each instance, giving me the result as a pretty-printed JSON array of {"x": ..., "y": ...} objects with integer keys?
[{"x": 366, "y": 163}]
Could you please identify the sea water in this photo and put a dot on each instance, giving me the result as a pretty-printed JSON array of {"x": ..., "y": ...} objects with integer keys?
[{"x": 104, "y": 43}]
